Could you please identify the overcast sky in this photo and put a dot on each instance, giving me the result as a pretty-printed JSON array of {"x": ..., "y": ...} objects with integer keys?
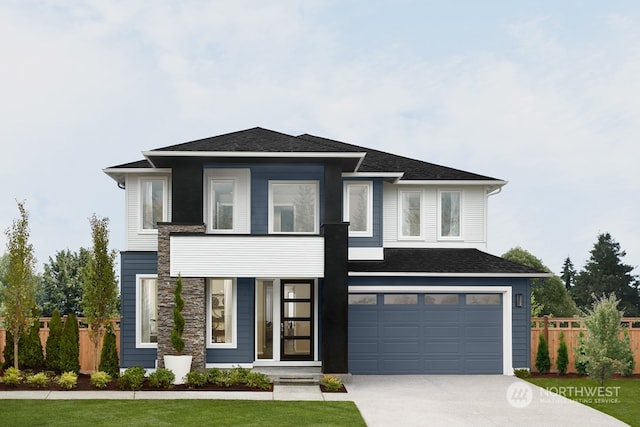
[{"x": 543, "y": 94}]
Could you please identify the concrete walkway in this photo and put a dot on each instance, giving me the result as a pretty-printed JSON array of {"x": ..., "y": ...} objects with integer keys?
[{"x": 406, "y": 400}]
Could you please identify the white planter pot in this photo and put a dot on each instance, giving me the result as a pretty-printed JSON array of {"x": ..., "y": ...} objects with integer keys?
[{"x": 179, "y": 365}]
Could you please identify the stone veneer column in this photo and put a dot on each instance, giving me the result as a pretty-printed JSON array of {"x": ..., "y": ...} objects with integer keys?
[{"x": 193, "y": 294}]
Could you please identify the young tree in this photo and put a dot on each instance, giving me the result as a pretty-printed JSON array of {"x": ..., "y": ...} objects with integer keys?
[
  {"x": 543, "y": 362},
  {"x": 548, "y": 292},
  {"x": 19, "y": 293},
  {"x": 109, "y": 361},
  {"x": 568, "y": 273},
  {"x": 61, "y": 283},
  {"x": 605, "y": 349},
  {"x": 52, "y": 360},
  {"x": 99, "y": 286},
  {"x": 70, "y": 346},
  {"x": 604, "y": 274},
  {"x": 30, "y": 351},
  {"x": 562, "y": 361}
]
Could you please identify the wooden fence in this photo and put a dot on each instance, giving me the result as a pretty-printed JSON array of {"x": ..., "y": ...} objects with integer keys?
[
  {"x": 551, "y": 327},
  {"x": 86, "y": 346}
]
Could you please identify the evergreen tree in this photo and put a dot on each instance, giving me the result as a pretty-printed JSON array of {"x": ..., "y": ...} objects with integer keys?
[
  {"x": 543, "y": 362},
  {"x": 19, "y": 292},
  {"x": 547, "y": 292},
  {"x": 562, "y": 361},
  {"x": 605, "y": 274},
  {"x": 99, "y": 286},
  {"x": 7, "y": 353},
  {"x": 30, "y": 349},
  {"x": 70, "y": 346},
  {"x": 61, "y": 283},
  {"x": 109, "y": 361},
  {"x": 568, "y": 273},
  {"x": 52, "y": 360}
]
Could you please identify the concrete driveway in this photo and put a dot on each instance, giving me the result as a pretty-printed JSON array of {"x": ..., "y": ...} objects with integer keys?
[{"x": 464, "y": 400}]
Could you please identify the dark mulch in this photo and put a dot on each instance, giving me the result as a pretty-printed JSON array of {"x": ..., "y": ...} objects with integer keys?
[
  {"x": 341, "y": 390},
  {"x": 84, "y": 383}
]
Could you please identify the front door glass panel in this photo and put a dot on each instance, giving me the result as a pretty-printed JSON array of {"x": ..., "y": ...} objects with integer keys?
[{"x": 296, "y": 328}]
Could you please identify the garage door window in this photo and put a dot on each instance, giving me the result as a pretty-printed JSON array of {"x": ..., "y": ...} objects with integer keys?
[
  {"x": 403, "y": 299},
  {"x": 438, "y": 299},
  {"x": 482, "y": 299},
  {"x": 362, "y": 299}
]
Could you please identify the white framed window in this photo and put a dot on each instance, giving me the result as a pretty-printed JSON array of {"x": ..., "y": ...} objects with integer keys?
[
  {"x": 410, "y": 206},
  {"x": 227, "y": 200},
  {"x": 222, "y": 313},
  {"x": 450, "y": 224},
  {"x": 358, "y": 207},
  {"x": 146, "y": 311},
  {"x": 153, "y": 203},
  {"x": 293, "y": 207}
]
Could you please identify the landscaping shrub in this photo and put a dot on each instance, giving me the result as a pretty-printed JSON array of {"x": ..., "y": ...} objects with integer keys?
[
  {"x": 562, "y": 361},
  {"x": 581, "y": 361},
  {"x": 196, "y": 379},
  {"x": 12, "y": 376},
  {"x": 522, "y": 373},
  {"x": 39, "y": 380},
  {"x": 7, "y": 353},
  {"x": 68, "y": 380},
  {"x": 543, "y": 363},
  {"x": 132, "y": 378},
  {"x": 70, "y": 346},
  {"x": 258, "y": 380},
  {"x": 238, "y": 375},
  {"x": 213, "y": 375},
  {"x": 100, "y": 379},
  {"x": 331, "y": 383},
  {"x": 30, "y": 354},
  {"x": 109, "y": 361},
  {"x": 52, "y": 360},
  {"x": 630, "y": 360},
  {"x": 162, "y": 377}
]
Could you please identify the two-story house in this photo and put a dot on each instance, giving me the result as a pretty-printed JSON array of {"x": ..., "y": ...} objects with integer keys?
[{"x": 305, "y": 251}]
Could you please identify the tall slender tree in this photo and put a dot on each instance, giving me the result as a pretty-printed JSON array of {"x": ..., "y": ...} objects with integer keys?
[
  {"x": 19, "y": 293},
  {"x": 606, "y": 274},
  {"x": 99, "y": 286},
  {"x": 568, "y": 273}
]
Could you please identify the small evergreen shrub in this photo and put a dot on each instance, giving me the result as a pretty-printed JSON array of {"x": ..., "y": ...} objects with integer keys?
[
  {"x": 581, "y": 360},
  {"x": 7, "y": 353},
  {"x": 52, "y": 360},
  {"x": 178, "y": 320},
  {"x": 30, "y": 353},
  {"x": 70, "y": 346},
  {"x": 543, "y": 363},
  {"x": 68, "y": 380},
  {"x": 522, "y": 373},
  {"x": 258, "y": 380},
  {"x": 562, "y": 362},
  {"x": 630, "y": 361},
  {"x": 39, "y": 380},
  {"x": 100, "y": 379},
  {"x": 238, "y": 375},
  {"x": 196, "y": 379},
  {"x": 213, "y": 375},
  {"x": 109, "y": 361},
  {"x": 162, "y": 378},
  {"x": 12, "y": 376},
  {"x": 132, "y": 378},
  {"x": 331, "y": 383}
]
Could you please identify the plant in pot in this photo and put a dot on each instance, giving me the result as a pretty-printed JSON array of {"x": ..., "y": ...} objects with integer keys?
[{"x": 179, "y": 364}]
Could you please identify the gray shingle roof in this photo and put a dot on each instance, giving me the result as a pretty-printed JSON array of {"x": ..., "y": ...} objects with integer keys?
[
  {"x": 261, "y": 140},
  {"x": 445, "y": 261}
]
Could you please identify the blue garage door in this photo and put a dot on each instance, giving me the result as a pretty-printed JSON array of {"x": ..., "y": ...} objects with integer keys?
[{"x": 425, "y": 333}]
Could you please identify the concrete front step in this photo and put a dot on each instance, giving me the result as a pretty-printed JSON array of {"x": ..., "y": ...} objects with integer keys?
[{"x": 292, "y": 375}]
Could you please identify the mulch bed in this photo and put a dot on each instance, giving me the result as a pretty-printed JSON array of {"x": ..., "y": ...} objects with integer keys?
[{"x": 341, "y": 390}]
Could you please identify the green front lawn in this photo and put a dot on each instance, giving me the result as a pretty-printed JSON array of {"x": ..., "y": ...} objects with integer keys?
[
  {"x": 177, "y": 412},
  {"x": 619, "y": 398}
]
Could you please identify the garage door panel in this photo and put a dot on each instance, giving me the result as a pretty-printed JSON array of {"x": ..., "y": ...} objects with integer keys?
[{"x": 426, "y": 338}]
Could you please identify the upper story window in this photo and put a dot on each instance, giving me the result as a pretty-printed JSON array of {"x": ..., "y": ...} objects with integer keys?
[
  {"x": 410, "y": 214},
  {"x": 450, "y": 208},
  {"x": 227, "y": 200},
  {"x": 146, "y": 311},
  {"x": 358, "y": 207},
  {"x": 293, "y": 207},
  {"x": 153, "y": 202}
]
